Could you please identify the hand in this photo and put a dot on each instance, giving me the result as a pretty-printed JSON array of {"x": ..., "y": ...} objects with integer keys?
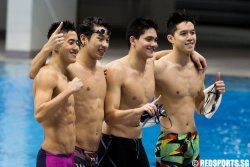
[
  {"x": 219, "y": 84},
  {"x": 55, "y": 40},
  {"x": 151, "y": 108},
  {"x": 199, "y": 60},
  {"x": 75, "y": 85}
]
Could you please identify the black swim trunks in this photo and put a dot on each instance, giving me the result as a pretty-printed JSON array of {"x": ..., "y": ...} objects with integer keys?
[{"x": 121, "y": 152}]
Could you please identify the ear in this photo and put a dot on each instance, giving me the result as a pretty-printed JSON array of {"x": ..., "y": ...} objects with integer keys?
[
  {"x": 132, "y": 40},
  {"x": 83, "y": 39},
  {"x": 170, "y": 39}
]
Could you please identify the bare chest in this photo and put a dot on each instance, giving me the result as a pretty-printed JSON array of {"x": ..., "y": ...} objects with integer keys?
[
  {"x": 94, "y": 84},
  {"x": 175, "y": 83},
  {"x": 138, "y": 89},
  {"x": 67, "y": 109}
]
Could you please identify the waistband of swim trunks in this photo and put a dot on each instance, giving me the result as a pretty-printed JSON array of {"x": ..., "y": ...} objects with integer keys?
[
  {"x": 122, "y": 139},
  {"x": 179, "y": 136},
  {"x": 58, "y": 155},
  {"x": 82, "y": 151}
]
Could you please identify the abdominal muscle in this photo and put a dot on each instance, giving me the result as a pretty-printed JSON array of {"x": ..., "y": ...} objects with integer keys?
[
  {"x": 89, "y": 119},
  {"x": 180, "y": 119}
]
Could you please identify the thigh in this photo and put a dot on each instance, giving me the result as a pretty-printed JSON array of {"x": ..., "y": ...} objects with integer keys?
[
  {"x": 59, "y": 161},
  {"x": 104, "y": 159},
  {"x": 84, "y": 161},
  {"x": 141, "y": 158},
  {"x": 168, "y": 151},
  {"x": 41, "y": 158},
  {"x": 118, "y": 153}
]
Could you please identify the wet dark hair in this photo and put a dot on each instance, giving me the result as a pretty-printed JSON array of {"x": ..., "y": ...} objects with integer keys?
[
  {"x": 138, "y": 26},
  {"x": 88, "y": 24},
  {"x": 66, "y": 27},
  {"x": 176, "y": 18}
]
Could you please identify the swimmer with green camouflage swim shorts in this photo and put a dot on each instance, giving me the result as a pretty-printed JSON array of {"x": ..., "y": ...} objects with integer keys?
[{"x": 181, "y": 86}]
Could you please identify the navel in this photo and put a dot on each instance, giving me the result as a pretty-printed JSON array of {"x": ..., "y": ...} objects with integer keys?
[
  {"x": 88, "y": 88},
  {"x": 177, "y": 92},
  {"x": 133, "y": 98}
]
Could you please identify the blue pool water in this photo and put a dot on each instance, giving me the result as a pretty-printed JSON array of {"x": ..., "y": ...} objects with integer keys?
[{"x": 225, "y": 136}]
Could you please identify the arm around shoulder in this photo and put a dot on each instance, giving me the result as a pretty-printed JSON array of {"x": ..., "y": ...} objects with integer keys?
[
  {"x": 161, "y": 54},
  {"x": 38, "y": 61}
]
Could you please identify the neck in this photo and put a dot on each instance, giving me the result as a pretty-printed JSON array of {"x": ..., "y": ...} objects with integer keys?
[
  {"x": 58, "y": 64},
  {"x": 85, "y": 59},
  {"x": 180, "y": 57},
  {"x": 136, "y": 61}
]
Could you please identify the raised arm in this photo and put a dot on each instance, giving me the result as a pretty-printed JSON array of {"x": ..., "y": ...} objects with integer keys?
[
  {"x": 212, "y": 97},
  {"x": 39, "y": 60}
]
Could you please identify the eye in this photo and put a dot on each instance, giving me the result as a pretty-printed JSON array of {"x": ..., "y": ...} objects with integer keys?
[
  {"x": 148, "y": 39},
  {"x": 72, "y": 42},
  {"x": 192, "y": 32},
  {"x": 183, "y": 33},
  {"x": 78, "y": 42}
]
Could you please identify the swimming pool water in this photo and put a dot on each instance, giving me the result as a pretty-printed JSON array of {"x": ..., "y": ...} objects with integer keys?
[{"x": 225, "y": 136}]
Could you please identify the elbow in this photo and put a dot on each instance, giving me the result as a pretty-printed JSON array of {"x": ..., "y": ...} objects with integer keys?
[
  {"x": 38, "y": 117},
  {"x": 31, "y": 74},
  {"x": 39, "y": 114},
  {"x": 109, "y": 118}
]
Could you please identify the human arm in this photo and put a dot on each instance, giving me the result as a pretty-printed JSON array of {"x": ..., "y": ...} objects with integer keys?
[
  {"x": 199, "y": 61},
  {"x": 44, "y": 102},
  {"x": 197, "y": 58},
  {"x": 161, "y": 54},
  {"x": 39, "y": 60},
  {"x": 212, "y": 97}
]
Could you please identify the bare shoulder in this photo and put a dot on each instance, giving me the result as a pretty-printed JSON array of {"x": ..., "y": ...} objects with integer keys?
[
  {"x": 158, "y": 55},
  {"x": 72, "y": 67},
  {"x": 116, "y": 69},
  {"x": 161, "y": 64},
  {"x": 46, "y": 75},
  {"x": 74, "y": 70},
  {"x": 117, "y": 65},
  {"x": 100, "y": 66}
]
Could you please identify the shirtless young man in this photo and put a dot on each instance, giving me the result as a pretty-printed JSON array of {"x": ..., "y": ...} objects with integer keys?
[
  {"x": 93, "y": 34},
  {"x": 54, "y": 103},
  {"x": 181, "y": 86},
  {"x": 131, "y": 86}
]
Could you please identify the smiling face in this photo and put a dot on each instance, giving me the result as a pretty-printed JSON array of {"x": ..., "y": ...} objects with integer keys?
[
  {"x": 184, "y": 38},
  {"x": 69, "y": 49},
  {"x": 98, "y": 43},
  {"x": 147, "y": 43}
]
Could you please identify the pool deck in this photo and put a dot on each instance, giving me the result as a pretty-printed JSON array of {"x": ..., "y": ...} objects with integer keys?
[{"x": 230, "y": 59}]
